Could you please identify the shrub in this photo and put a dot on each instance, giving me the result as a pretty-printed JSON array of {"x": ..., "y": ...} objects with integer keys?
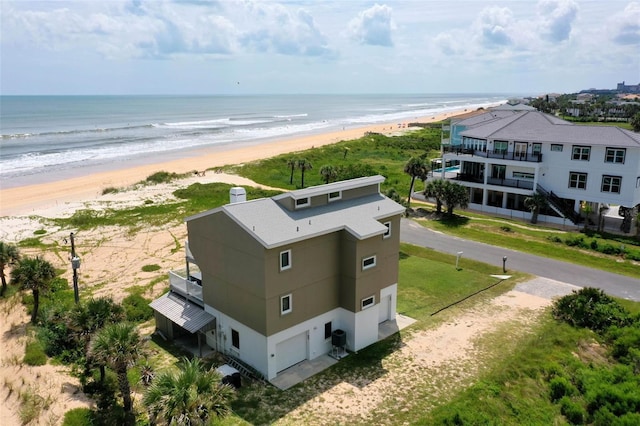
[
  {"x": 34, "y": 354},
  {"x": 577, "y": 241},
  {"x": 623, "y": 340},
  {"x": 109, "y": 190},
  {"x": 40, "y": 232},
  {"x": 78, "y": 417},
  {"x": 554, "y": 238},
  {"x": 572, "y": 411},
  {"x": 560, "y": 388},
  {"x": 137, "y": 308},
  {"x": 161, "y": 177},
  {"x": 590, "y": 308},
  {"x": 506, "y": 228}
]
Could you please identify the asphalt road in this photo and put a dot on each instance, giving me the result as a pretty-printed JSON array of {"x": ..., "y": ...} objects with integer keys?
[{"x": 612, "y": 283}]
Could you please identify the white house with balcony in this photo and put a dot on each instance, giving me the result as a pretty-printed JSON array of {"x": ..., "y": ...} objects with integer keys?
[{"x": 506, "y": 156}]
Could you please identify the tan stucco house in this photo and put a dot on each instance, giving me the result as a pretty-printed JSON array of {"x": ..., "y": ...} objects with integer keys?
[{"x": 269, "y": 281}]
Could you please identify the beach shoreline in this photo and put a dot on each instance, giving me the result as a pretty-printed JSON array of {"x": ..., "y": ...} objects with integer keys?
[{"x": 29, "y": 199}]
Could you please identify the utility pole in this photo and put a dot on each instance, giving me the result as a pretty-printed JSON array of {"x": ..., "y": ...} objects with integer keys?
[{"x": 75, "y": 264}]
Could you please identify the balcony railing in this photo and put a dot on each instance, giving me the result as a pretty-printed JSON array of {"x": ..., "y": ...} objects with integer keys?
[
  {"x": 512, "y": 183},
  {"x": 186, "y": 286},
  {"x": 504, "y": 155}
]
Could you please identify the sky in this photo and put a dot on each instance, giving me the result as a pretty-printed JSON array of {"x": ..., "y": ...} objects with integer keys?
[{"x": 117, "y": 47}]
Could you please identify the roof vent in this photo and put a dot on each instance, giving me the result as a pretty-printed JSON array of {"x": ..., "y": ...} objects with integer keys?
[{"x": 237, "y": 194}]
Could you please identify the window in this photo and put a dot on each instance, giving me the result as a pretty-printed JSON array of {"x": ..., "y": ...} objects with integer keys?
[
  {"x": 327, "y": 330},
  {"x": 611, "y": 184},
  {"x": 235, "y": 339},
  {"x": 581, "y": 153},
  {"x": 615, "y": 155},
  {"x": 285, "y": 304},
  {"x": 302, "y": 202},
  {"x": 522, "y": 175},
  {"x": 556, "y": 147},
  {"x": 536, "y": 148},
  {"x": 368, "y": 302},
  {"x": 577, "y": 180},
  {"x": 285, "y": 260},
  {"x": 368, "y": 262},
  {"x": 387, "y": 233},
  {"x": 333, "y": 196},
  {"x": 500, "y": 147}
]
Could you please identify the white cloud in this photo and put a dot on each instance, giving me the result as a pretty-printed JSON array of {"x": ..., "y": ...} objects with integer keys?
[
  {"x": 557, "y": 18},
  {"x": 495, "y": 25},
  {"x": 373, "y": 26},
  {"x": 625, "y": 26}
]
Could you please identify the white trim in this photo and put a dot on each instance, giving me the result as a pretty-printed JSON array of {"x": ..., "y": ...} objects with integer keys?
[
  {"x": 282, "y": 299},
  {"x": 368, "y": 258},
  {"x": 302, "y": 202},
  {"x": 288, "y": 265},
  {"x": 387, "y": 234},
  {"x": 369, "y": 304},
  {"x": 336, "y": 198}
]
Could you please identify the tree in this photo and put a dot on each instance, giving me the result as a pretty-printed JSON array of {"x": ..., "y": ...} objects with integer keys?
[
  {"x": 416, "y": 168},
  {"x": 118, "y": 346},
  {"x": 454, "y": 195},
  {"x": 304, "y": 165},
  {"x": 587, "y": 210},
  {"x": 328, "y": 173},
  {"x": 9, "y": 256},
  {"x": 35, "y": 274},
  {"x": 435, "y": 189},
  {"x": 635, "y": 122},
  {"x": 191, "y": 396},
  {"x": 535, "y": 203},
  {"x": 292, "y": 163}
]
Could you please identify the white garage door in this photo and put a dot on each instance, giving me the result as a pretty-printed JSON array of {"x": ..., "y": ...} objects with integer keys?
[
  {"x": 291, "y": 351},
  {"x": 384, "y": 308}
]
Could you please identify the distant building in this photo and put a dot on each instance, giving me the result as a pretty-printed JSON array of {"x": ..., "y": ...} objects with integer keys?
[{"x": 625, "y": 88}]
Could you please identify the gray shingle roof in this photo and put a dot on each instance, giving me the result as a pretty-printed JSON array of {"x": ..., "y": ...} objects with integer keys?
[{"x": 535, "y": 126}]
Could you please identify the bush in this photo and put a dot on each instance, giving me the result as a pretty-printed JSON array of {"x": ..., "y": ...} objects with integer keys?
[
  {"x": 137, "y": 308},
  {"x": 78, "y": 417},
  {"x": 34, "y": 354},
  {"x": 590, "y": 308},
  {"x": 161, "y": 177},
  {"x": 560, "y": 388},
  {"x": 150, "y": 268},
  {"x": 572, "y": 411},
  {"x": 577, "y": 241},
  {"x": 624, "y": 340}
]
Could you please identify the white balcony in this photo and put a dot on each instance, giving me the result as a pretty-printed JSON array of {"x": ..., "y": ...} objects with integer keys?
[{"x": 188, "y": 287}]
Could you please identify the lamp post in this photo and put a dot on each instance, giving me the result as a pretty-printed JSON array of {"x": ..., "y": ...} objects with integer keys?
[{"x": 504, "y": 264}]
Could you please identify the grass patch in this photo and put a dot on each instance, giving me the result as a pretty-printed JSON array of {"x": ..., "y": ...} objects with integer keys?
[
  {"x": 150, "y": 268},
  {"x": 34, "y": 354}
]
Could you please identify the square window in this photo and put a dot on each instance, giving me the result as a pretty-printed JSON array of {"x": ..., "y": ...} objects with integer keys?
[
  {"x": 285, "y": 304},
  {"x": 615, "y": 155},
  {"x": 334, "y": 196},
  {"x": 368, "y": 302},
  {"x": 556, "y": 147},
  {"x": 577, "y": 180},
  {"x": 581, "y": 153},
  {"x": 611, "y": 184},
  {"x": 285, "y": 260},
  {"x": 327, "y": 330},
  {"x": 387, "y": 233},
  {"x": 302, "y": 202},
  {"x": 235, "y": 339},
  {"x": 368, "y": 262}
]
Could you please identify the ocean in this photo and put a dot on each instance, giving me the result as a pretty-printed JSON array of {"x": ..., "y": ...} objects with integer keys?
[{"x": 53, "y": 137}]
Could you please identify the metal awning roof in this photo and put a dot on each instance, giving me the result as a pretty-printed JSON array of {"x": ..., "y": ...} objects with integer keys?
[{"x": 187, "y": 315}]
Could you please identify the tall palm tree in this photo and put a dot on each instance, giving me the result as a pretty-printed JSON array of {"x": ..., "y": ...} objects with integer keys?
[
  {"x": 118, "y": 346},
  {"x": 535, "y": 203},
  {"x": 35, "y": 274},
  {"x": 328, "y": 173},
  {"x": 304, "y": 165},
  {"x": 9, "y": 256},
  {"x": 191, "y": 396},
  {"x": 416, "y": 168},
  {"x": 292, "y": 163},
  {"x": 455, "y": 195}
]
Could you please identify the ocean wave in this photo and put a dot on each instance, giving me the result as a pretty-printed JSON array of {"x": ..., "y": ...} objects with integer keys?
[
  {"x": 213, "y": 124},
  {"x": 75, "y": 131}
]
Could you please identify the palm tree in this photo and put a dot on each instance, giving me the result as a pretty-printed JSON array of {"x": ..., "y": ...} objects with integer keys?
[
  {"x": 36, "y": 274},
  {"x": 435, "y": 189},
  {"x": 454, "y": 195},
  {"x": 416, "y": 168},
  {"x": 535, "y": 203},
  {"x": 9, "y": 256},
  {"x": 292, "y": 163},
  {"x": 118, "y": 346},
  {"x": 191, "y": 396},
  {"x": 304, "y": 165},
  {"x": 328, "y": 173}
]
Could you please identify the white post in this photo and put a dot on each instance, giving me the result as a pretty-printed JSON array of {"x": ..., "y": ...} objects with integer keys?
[{"x": 458, "y": 259}]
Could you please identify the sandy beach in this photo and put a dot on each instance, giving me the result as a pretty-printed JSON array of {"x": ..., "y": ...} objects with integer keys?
[{"x": 30, "y": 199}]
